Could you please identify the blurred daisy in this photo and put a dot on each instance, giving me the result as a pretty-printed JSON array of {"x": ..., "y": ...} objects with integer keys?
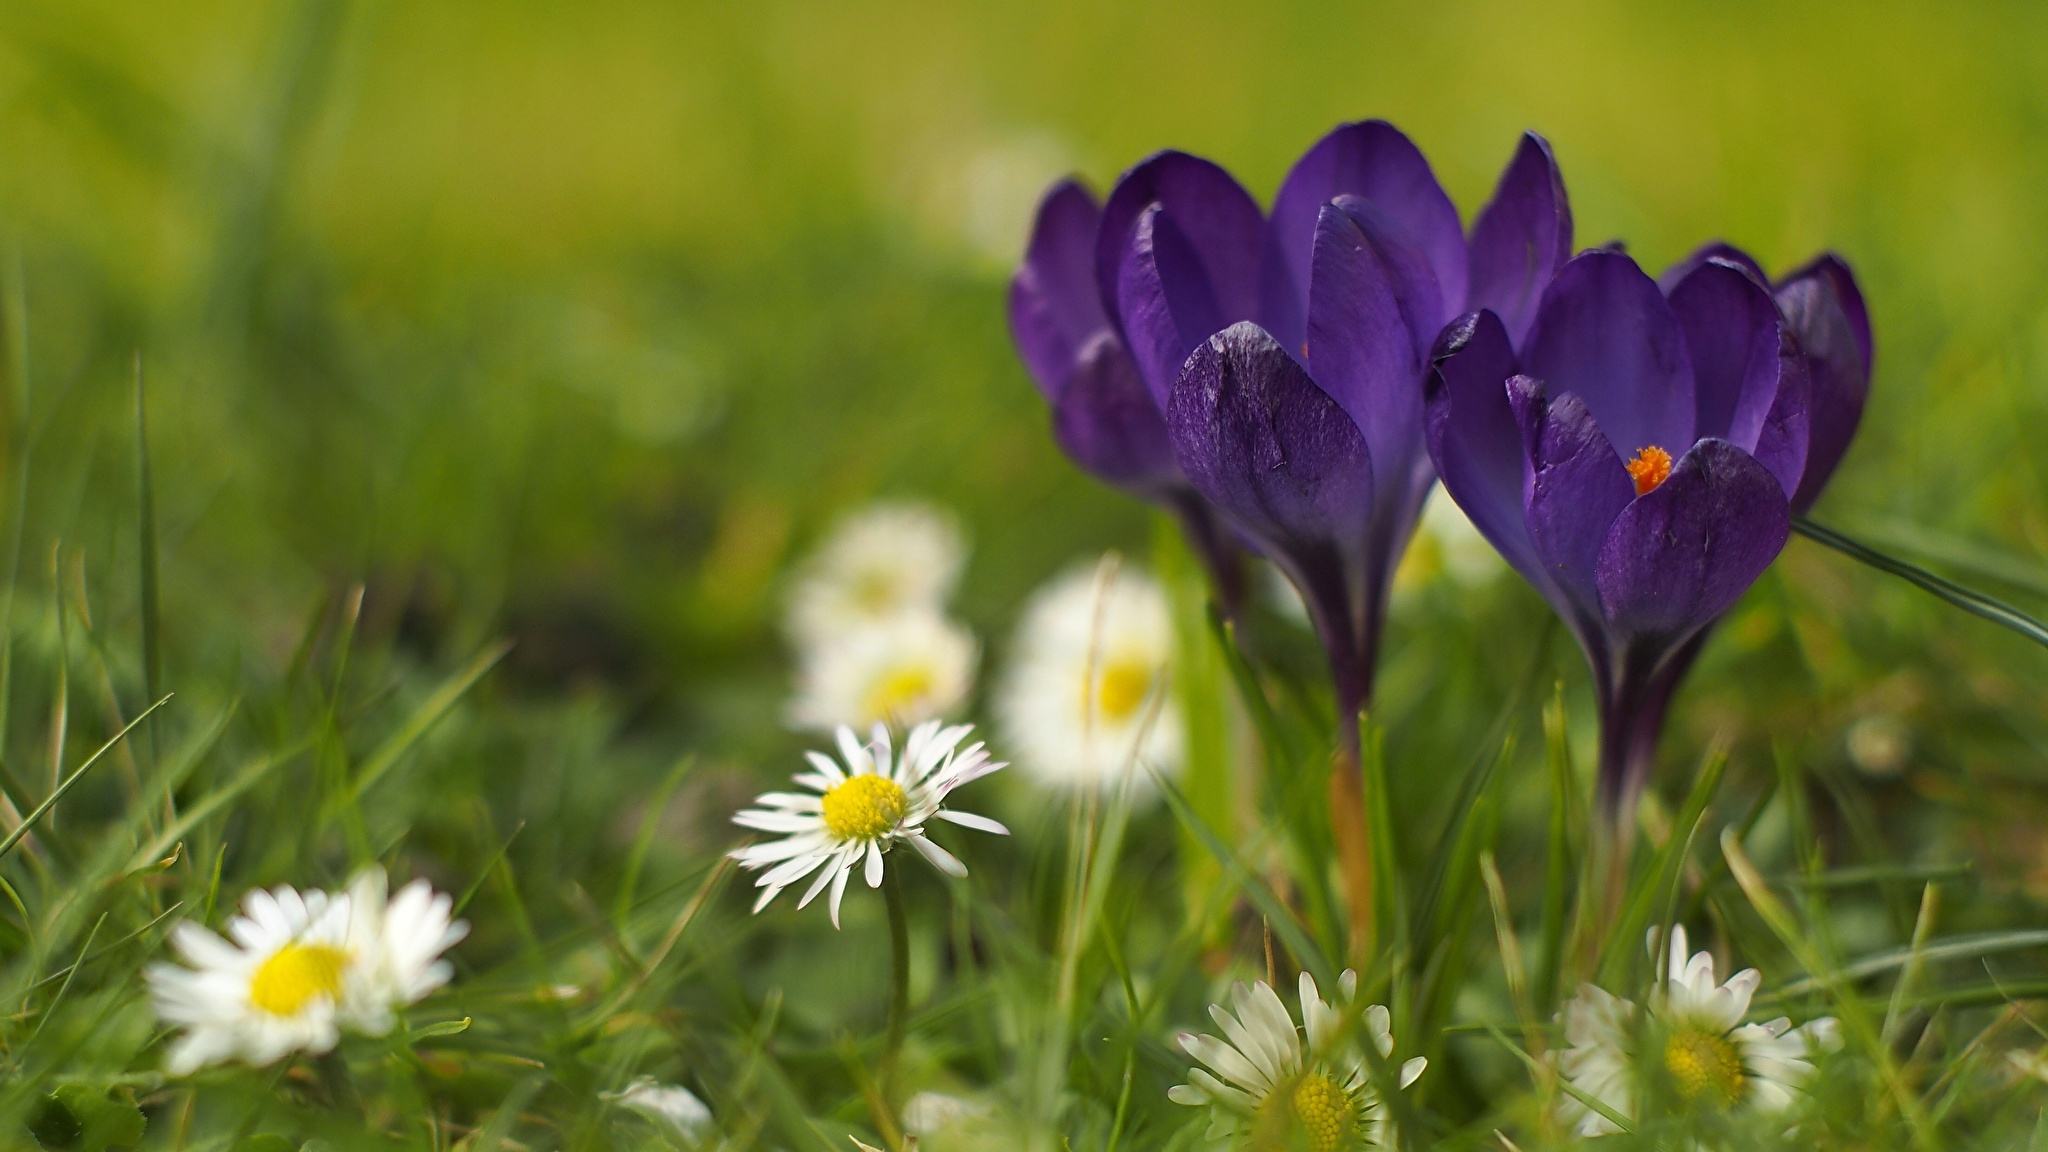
[
  {"x": 859, "y": 810},
  {"x": 1710, "y": 1055},
  {"x": 889, "y": 561},
  {"x": 930, "y": 1113},
  {"x": 901, "y": 672},
  {"x": 398, "y": 942},
  {"x": 670, "y": 1105},
  {"x": 281, "y": 986},
  {"x": 1266, "y": 1084},
  {"x": 1083, "y": 700}
]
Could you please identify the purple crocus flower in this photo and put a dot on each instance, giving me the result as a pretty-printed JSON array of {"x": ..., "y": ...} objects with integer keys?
[
  {"x": 1103, "y": 417},
  {"x": 1638, "y": 452},
  {"x": 1287, "y": 352}
]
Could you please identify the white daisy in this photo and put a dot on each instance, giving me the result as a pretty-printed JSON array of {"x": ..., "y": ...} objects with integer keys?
[
  {"x": 1709, "y": 1053},
  {"x": 399, "y": 940},
  {"x": 863, "y": 809},
  {"x": 888, "y": 561},
  {"x": 1083, "y": 701},
  {"x": 670, "y": 1105},
  {"x": 280, "y": 986},
  {"x": 1266, "y": 1084},
  {"x": 899, "y": 672}
]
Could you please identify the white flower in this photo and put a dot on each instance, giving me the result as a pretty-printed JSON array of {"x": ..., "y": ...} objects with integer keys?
[
  {"x": 888, "y": 561},
  {"x": 900, "y": 672},
  {"x": 864, "y": 809},
  {"x": 2028, "y": 1064},
  {"x": 671, "y": 1105},
  {"x": 1265, "y": 1083},
  {"x": 929, "y": 1113},
  {"x": 1083, "y": 702},
  {"x": 281, "y": 986},
  {"x": 1709, "y": 1053},
  {"x": 399, "y": 941}
]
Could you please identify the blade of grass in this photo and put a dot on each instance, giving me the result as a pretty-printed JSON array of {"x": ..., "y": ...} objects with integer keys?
[
  {"x": 1923, "y": 927},
  {"x": 1559, "y": 863},
  {"x": 1656, "y": 886},
  {"x": 425, "y": 717},
  {"x": 146, "y": 558},
  {"x": 1855, "y": 1019},
  {"x": 1536, "y": 1068},
  {"x": 49, "y": 802},
  {"x": 650, "y": 823},
  {"x": 211, "y": 803},
  {"x": 1284, "y": 923},
  {"x": 21, "y": 437},
  {"x": 1968, "y": 599}
]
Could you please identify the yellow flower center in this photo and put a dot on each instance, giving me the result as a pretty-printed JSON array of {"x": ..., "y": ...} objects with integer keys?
[
  {"x": 1124, "y": 687},
  {"x": 1324, "y": 1112},
  {"x": 1651, "y": 467},
  {"x": 864, "y": 807},
  {"x": 1704, "y": 1064},
  {"x": 898, "y": 691},
  {"x": 294, "y": 975}
]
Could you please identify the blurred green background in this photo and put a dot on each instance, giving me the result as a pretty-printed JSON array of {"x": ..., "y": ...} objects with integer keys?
[{"x": 575, "y": 323}]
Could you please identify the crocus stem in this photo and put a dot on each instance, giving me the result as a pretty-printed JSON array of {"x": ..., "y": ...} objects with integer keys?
[
  {"x": 899, "y": 982},
  {"x": 1353, "y": 834},
  {"x": 1221, "y": 558},
  {"x": 1349, "y": 824}
]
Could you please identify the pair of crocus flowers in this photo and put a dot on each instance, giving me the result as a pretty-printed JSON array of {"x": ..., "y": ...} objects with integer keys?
[{"x": 1635, "y": 448}]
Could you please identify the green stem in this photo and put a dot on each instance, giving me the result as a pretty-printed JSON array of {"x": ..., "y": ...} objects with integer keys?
[
  {"x": 899, "y": 982},
  {"x": 341, "y": 1087}
]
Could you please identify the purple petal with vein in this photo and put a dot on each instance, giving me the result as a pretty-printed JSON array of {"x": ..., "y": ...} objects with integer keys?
[
  {"x": 1371, "y": 160},
  {"x": 1521, "y": 238}
]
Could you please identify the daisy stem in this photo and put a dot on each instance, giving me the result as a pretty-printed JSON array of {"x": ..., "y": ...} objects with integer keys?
[
  {"x": 899, "y": 982},
  {"x": 341, "y": 1087}
]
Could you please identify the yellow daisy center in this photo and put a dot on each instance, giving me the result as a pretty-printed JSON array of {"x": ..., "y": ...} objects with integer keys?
[
  {"x": 898, "y": 690},
  {"x": 1124, "y": 687},
  {"x": 294, "y": 975},
  {"x": 1704, "y": 1064},
  {"x": 1324, "y": 1112},
  {"x": 864, "y": 807}
]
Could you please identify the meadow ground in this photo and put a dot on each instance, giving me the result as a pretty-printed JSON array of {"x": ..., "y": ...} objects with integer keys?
[{"x": 502, "y": 362}]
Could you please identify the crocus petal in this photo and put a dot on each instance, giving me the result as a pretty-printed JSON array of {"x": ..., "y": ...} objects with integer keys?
[
  {"x": 1521, "y": 238},
  {"x": 1786, "y": 438},
  {"x": 1166, "y": 300},
  {"x": 1219, "y": 218},
  {"x": 1714, "y": 250},
  {"x": 1825, "y": 309},
  {"x": 1055, "y": 309},
  {"x": 1108, "y": 423},
  {"x": 1257, "y": 436},
  {"x": 1576, "y": 488},
  {"x": 1605, "y": 334},
  {"x": 1473, "y": 437},
  {"x": 1749, "y": 375},
  {"x": 1361, "y": 342},
  {"x": 1375, "y": 162},
  {"x": 1684, "y": 553}
]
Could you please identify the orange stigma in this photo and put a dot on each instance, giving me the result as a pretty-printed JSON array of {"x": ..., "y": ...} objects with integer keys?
[{"x": 1651, "y": 467}]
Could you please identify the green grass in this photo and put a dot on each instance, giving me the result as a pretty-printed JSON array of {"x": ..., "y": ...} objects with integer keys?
[{"x": 569, "y": 328}]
